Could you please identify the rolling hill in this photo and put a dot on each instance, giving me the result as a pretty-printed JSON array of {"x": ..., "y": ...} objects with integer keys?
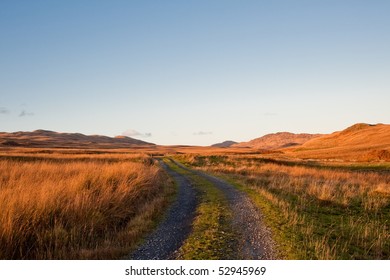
[
  {"x": 362, "y": 142},
  {"x": 224, "y": 144},
  {"x": 278, "y": 140},
  {"x": 46, "y": 138}
]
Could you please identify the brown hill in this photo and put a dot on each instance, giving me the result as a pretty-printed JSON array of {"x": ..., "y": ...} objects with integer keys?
[
  {"x": 224, "y": 144},
  {"x": 361, "y": 141},
  {"x": 278, "y": 140},
  {"x": 46, "y": 138}
]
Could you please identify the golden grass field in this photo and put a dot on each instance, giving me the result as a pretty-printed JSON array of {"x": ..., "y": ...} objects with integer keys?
[
  {"x": 327, "y": 199},
  {"x": 76, "y": 206}
]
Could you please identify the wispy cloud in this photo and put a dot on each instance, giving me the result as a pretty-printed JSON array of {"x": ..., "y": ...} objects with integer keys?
[
  {"x": 24, "y": 113},
  {"x": 202, "y": 133},
  {"x": 3, "y": 110},
  {"x": 269, "y": 114},
  {"x": 134, "y": 133}
]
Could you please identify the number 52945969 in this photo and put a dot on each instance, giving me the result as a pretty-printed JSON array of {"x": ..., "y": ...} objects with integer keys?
[{"x": 244, "y": 270}]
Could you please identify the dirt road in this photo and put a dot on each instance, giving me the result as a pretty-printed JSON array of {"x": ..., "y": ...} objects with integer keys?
[
  {"x": 255, "y": 239},
  {"x": 254, "y": 242},
  {"x": 176, "y": 225}
]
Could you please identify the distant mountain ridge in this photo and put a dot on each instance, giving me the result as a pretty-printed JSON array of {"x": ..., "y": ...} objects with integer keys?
[
  {"x": 224, "y": 144},
  {"x": 47, "y": 138},
  {"x": 278, "y": 140}
]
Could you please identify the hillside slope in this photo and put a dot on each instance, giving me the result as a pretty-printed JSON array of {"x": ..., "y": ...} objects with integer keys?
[
  {"x": 46, "y": 138},
  {"x": 278, "y": 140},
  {"x": 358, "y": 142}
]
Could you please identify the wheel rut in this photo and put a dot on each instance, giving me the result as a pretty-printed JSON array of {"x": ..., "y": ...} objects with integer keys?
[{"x": 176, "y": 225}]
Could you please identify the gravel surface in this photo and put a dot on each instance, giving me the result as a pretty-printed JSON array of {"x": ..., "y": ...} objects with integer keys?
[
  {"x": 175, "y": 227},
  {"x": 255, "y": 238}
]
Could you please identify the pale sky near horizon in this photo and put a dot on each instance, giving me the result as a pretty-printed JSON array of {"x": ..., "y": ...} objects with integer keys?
[{"x": 193, "y": 72}]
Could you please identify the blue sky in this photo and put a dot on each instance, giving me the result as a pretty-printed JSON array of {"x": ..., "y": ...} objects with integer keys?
[{"x": 193, "y": 72}]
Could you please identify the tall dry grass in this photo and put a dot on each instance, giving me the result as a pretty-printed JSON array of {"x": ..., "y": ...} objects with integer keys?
[
  {"x": 76, "y": 209},
  {"x": 330, "y": 213}
]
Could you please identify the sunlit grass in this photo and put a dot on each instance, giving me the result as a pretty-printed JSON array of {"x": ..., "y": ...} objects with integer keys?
[{"x": 77, "y": 209}]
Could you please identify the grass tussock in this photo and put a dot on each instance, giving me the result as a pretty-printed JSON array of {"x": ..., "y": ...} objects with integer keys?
[
  {"x": 76, "y": 209},
  {"x": 315, "y": 213}
]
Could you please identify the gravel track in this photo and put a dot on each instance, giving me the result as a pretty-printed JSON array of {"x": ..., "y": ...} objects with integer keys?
[
  {"x": 255, "y": 240},
  {"x": 175, "y": 227}
]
